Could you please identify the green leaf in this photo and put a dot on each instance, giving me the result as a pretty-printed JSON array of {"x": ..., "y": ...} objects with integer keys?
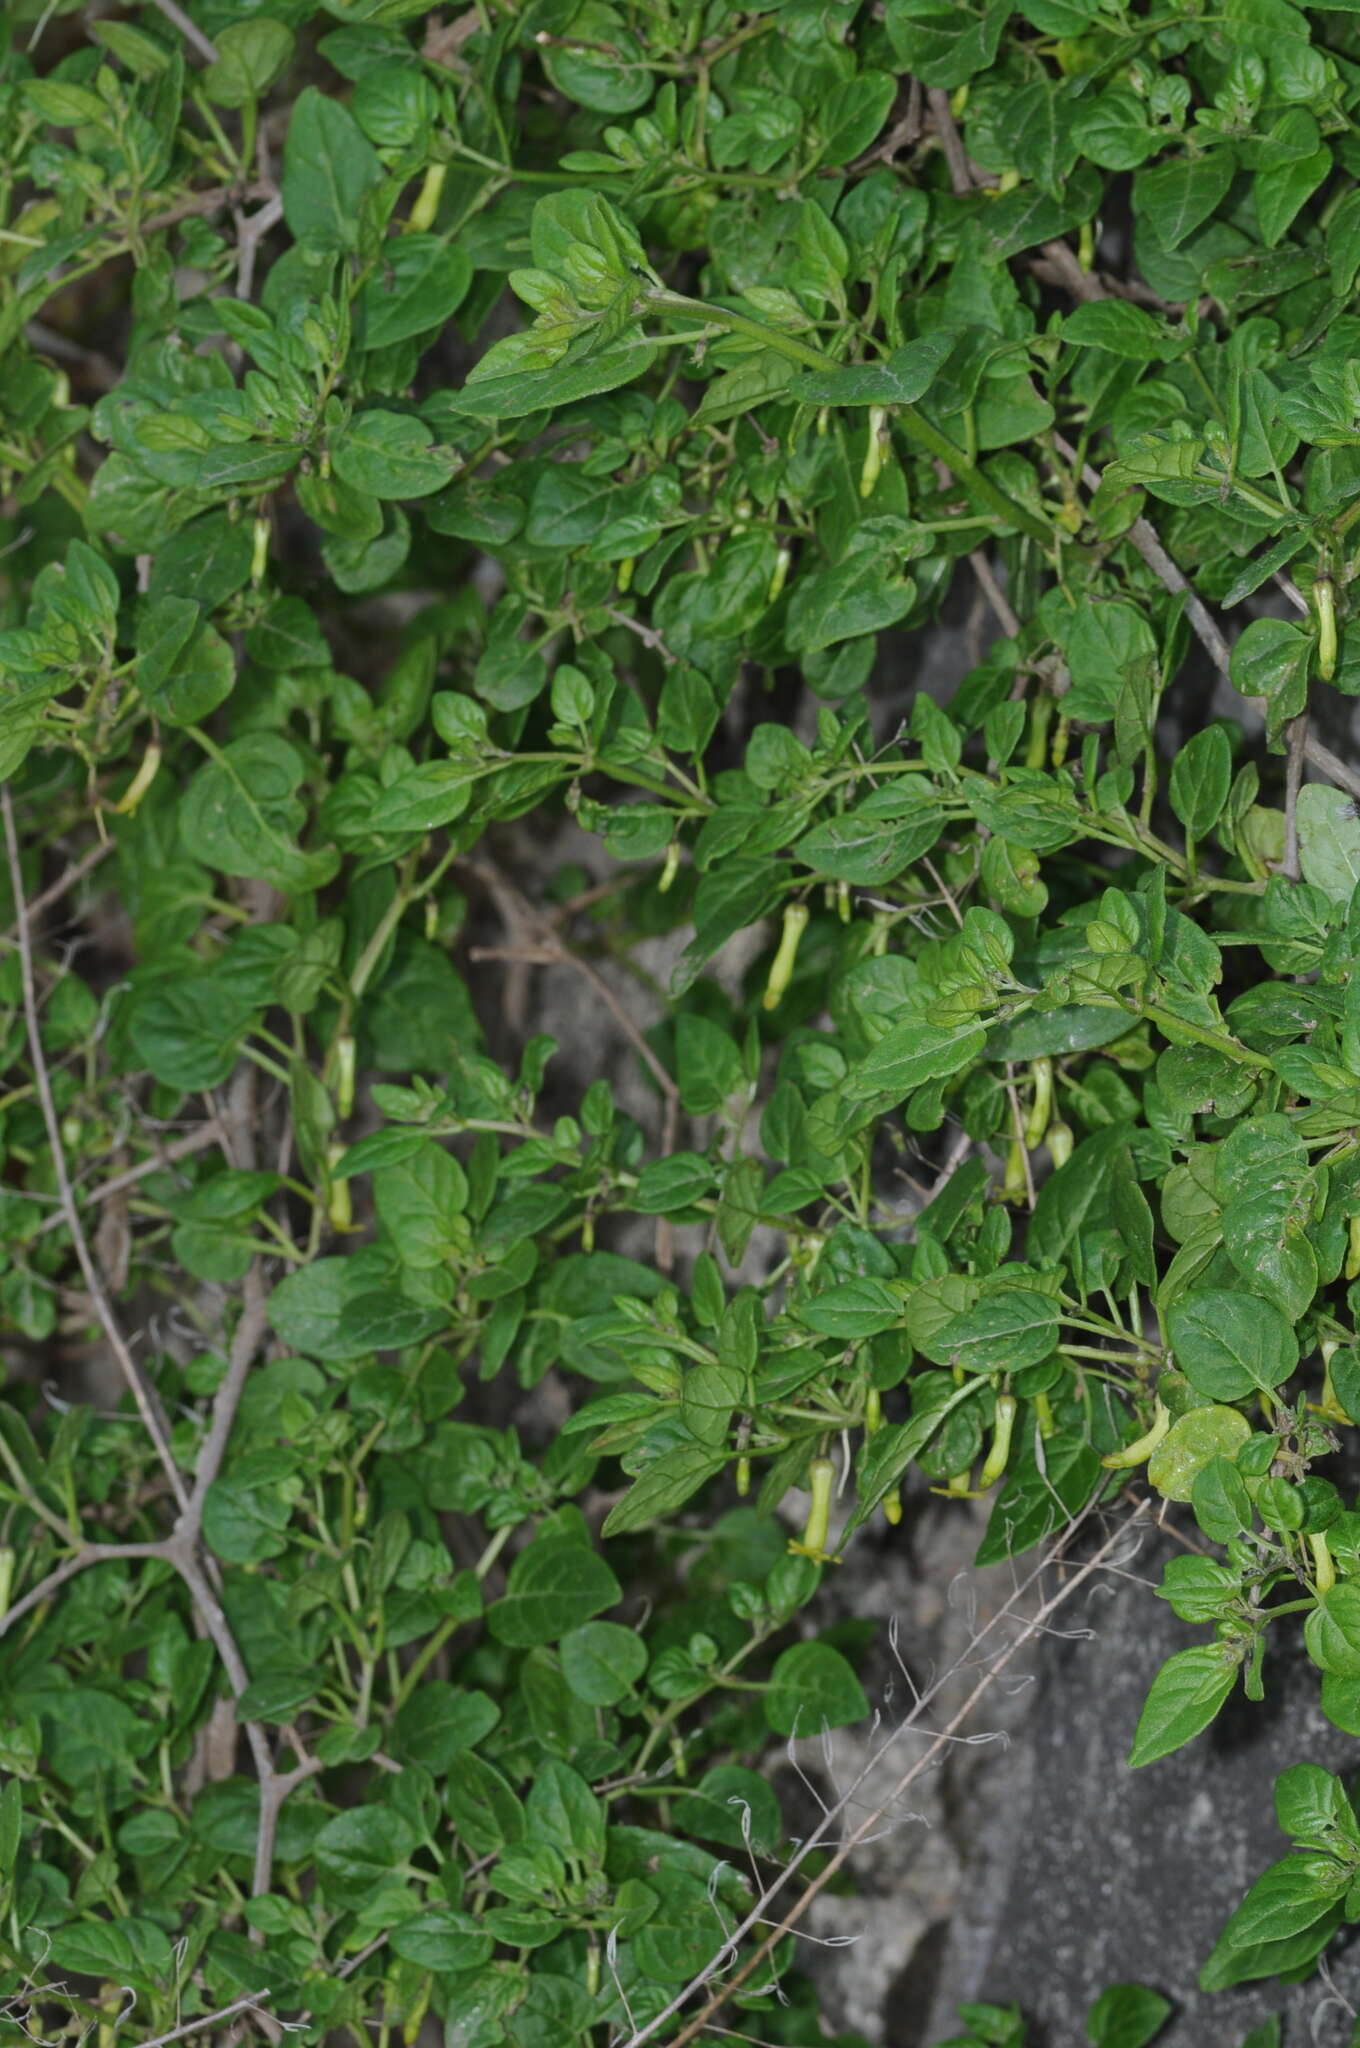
[
  {"x": 860, "y": 595},
  {"x": 602, "y": 1662},
  {"x": 1121, "y": 329},
  {"x": 1195, "y": 1441},
  {"x": 877, "y": 840},
  {"x": 1109, "y": 647},
  {"x": 852, "y": 1308},
  {"x": 250, "y": 56},
  {"x": 1201, "y": 776},
  {"x": 1049, "y": 1481},
  {"x": 328, "y": 168},
  {"x": 812, "y": 1688},
  {"x": 357, "y": 1852},
  {"x": 553, "y": 1587},
  {"x": 1231, "y": 1345},
  {"x": 391, "y": 455},
  {"x": 664, "y": 1485},
  {"x": 1005, "y": 1332},
  {"x": 1221, "y": 1502},
  {"x": 439, "y": 1723},
  {"x": 339, "y": 1308},
  {"x": 1332, "y": 1630},
  {"x": 912, "y": 1053},
  {"x": 1286, "y": 1899},
  {"x": 511, "y": 397},
  {"x": 241, "y": 812},
  {"x": 444, "y": 1940},
  {"x": 890, "y": 1451},
  {"x": 420, "y": 1200},
  {"x": 903, "y": 377},
  {"x": 1270, "y": 659},
  {"x": 1329, "y": 840},
  {"x": 418, "y": 286},
  {"x": 186, "y": 1034},
  {"x": 1185, "y": 1696},
  {"x": 1177, "y": 197},
  {"x": 1127, "y": 2016}
]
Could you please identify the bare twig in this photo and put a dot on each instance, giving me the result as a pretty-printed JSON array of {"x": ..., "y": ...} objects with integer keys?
[
  {"x": 443, "y": 43},
  {"x": 246, "y": 1340},
  {"x": 274, "y": 1789},
  {"x": 80, "y": 1561},
  {"x": 1143, "y": 538},
  {"x": 210, "y": 201},
  {"x": 191, "y": 32},
  {"x": 65, "y": 881},
  {"x": 904, "y": 133},
  {"x": 951, "y": 142},
  {"x": 648, "y": 635},
  {"x": 143, "y": 1394},
  {"x": 1080, "y": 283},
  {"x": 994, "y": 594},
  {"x": 1296, "y": 743},
  {"x": 49, "y": 341},
  {"x": 196, "y": 1140},
  {"x": 249, "y": 2003},
  {"x": 250, "y": 232}
]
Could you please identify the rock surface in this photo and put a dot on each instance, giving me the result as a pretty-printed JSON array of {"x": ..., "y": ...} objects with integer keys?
[
  {"x": 1041, "y": 1868},
  {"x": 1117, "y": 1875}
]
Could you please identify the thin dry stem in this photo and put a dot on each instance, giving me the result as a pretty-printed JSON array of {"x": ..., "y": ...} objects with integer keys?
[
  {"x": 251, "y": 2002},
  {"x": 951, "y": 142},
  {"x": 1143, "y": 538},
  {"x": 143, "y": 1394},
  {"x": 191, "y": 32},
  {"x": 193, "y": 1141},
  {"x": 1296, "y": 742},
  {"x": 994, "y": 594}
]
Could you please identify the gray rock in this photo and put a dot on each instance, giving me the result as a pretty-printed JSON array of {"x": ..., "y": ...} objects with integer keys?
[{"x": 1095, "y": 1874}]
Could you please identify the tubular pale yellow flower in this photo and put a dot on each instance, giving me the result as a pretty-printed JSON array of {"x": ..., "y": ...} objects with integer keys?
[
  {"x": 999, "y": 1454},
  {"x": 422, "y": 214},
  {"x": 1141, "y": 1449},
  {"x": 141, "y": 782},
  {"x": 1324, "y": 603},
  {"x": 781, "y": 968}
]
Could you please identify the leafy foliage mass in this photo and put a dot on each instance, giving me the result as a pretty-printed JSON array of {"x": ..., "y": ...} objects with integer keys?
[{"x": 563, "y": 418}]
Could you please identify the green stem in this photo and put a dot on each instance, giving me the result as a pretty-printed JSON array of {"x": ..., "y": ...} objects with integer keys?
[
  {"x": 1217, "y": 1041},
  {"x": 977, "y": 487}
]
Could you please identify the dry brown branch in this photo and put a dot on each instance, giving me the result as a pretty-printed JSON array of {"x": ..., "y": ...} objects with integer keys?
[
  {"x": 211, "y": 201},
  {"x": 443, "y": 43},
  {"x": 996, "y": 597},
  {"x": 193, "y": 1141},
  {"x": 1143, "y": 538},
  {"x": 648, "y": 635},
  {"x": 950, "y": 141},
  {"x": 191, "y": 32},
  {"x": 80, "y": 1561},
  {"x": 1062, "y": 261},
  {"x": 181, "y": 1549},
  {"x": 251, "y": 2002},
  {"x": 143, "y": 1394},
  {"x": 251, "y": 230},
  {"x": 1296, "y": 743},
  {"x": 246, "y": 1340}
]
